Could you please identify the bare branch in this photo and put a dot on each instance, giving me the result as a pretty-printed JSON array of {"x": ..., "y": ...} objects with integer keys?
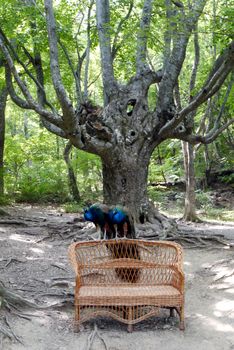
[
  {"x": 67, "y": 108},
  {"x": 208, "y": 90},
  {"x": 217, "y": 129},
  {"x": 53, "y": 128},
  {"x": 213, "y": 84},
  {"x": 195, "y": 139},
  {"x": 78, "y": 79},
  {"x": 143, "y": 35},
  {"x": 15, "y": 98},
  {"x": 196, "y": 61},
  {"x": 176, "y": 59},
  {"x": 86, "y": 74},
  {"x": 34, "y": 61},
  {"x": 103, "y": 25},
  {"x": 30, "y": 101},
  {"x": 115, "y": 47},
  {"x": 169, "y": 32}
]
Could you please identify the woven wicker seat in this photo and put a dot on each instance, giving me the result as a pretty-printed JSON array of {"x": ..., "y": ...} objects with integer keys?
[{"x": 128, "y": 280}]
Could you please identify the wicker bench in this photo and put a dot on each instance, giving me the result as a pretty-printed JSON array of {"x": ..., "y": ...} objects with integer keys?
[{"x": 128, "y": 280}]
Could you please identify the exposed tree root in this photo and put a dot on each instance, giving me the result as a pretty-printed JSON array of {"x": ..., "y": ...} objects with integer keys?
[
  {"x": 10, "y": 298},
  {"x": 13, "y": 222},
  {"x": 189, "y": 239},
  {"x": 163, "y": 228},
  {"x": 91, "y": 337}
]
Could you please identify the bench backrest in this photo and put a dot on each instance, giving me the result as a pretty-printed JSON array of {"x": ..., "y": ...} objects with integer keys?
[{"x": 126, "y": 261}]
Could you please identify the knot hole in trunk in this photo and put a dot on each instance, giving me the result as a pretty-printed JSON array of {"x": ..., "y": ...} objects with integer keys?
[{"x": 130, "y": 106}]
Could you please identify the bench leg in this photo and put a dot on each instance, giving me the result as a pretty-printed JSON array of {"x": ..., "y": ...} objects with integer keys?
[
  {"x": 77, "y": 319},
  {"x": 172, "y": 312},
  {"x": 130, "y": 326},
  {"x": 182, "y": 318}
]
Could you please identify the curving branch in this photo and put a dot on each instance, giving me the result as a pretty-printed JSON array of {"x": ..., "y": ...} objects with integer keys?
[
  {"x": 103, "y": 25},
  {"x": 36, "y": 61},
  {"x": 115, "y": 45},
  {"x": 195, "y": 63},
  {"x": 53, "y": 128},
  {"x": 15, "y": 98},
  {"x": 52, "y": 118},
  {"x": 211, "y": 86},
  {"x": 215, "y": 80},
  {"x": 66, "y": 105},
  {"x": 216, "y": 130},
  {"x": 169, "y": 32},
  {"x": 143, "y": 36},
  {"x": 205, "y": 139},
  {"x": 174, "y": 63},
  {"x": 86, "y": 73}
]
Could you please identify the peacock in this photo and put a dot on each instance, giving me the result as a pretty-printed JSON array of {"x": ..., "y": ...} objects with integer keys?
[
  {"x": 116, "y": 222},
  {"x": 123, "y": 222},
  {"x": 98, "y": 214}
]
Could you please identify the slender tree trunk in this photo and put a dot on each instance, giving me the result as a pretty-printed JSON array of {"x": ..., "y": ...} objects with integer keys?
[
  {"x": 208, "y": 165},
  {"x": 71, "y": 176},
  {"x": 3, "y": 99},
  {"x": 190, "y": 200}
]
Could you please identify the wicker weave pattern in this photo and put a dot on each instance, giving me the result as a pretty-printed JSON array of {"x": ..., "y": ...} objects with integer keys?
[{"x": 128, "y": 280}]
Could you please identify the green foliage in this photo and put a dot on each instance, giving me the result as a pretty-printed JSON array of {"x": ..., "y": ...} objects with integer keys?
[
  {"x": 35, "y": 170},
  {"x": 166, "y": 163}
]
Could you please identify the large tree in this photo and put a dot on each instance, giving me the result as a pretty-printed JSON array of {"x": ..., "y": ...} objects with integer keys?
[{"x": 125, "y": 129}]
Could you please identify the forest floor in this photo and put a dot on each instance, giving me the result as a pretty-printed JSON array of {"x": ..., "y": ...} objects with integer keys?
[{"x": 34, "y": 263}]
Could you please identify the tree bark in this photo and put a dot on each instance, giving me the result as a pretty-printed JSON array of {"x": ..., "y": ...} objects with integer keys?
[
  {"x": 3, "y": 99},
  {"x": 125, "y": 183}
]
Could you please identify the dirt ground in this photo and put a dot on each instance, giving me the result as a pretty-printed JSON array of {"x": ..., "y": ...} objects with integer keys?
[{"x": 34, "y": 263}]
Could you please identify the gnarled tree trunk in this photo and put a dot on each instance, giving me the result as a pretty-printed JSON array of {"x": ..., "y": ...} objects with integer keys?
[{"x": 125, "y": 182}]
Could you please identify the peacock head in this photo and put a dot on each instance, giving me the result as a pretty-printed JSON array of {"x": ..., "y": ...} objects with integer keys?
[
  {"x": 88, "y": 215},
  {"x": 95, "y": 214},
  {"x": 117, "y": 216}
]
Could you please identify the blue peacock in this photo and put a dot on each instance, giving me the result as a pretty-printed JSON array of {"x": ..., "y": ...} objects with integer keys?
[
  {"x": 122, "y": 221},
  {"x": 116, "y": 222},
  {"x": 98, "y": 214},
  {"x": 111, "y": 222}
]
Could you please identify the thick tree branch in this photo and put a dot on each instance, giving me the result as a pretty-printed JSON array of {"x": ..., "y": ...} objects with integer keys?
[
  {"x": 205, "y": 139},
  {"x": 67, "y": 108},
  {"x": 208, "y": 90},
  {"x": 214, "y": 82},
  {"x": 216, "y": 129},
  {"x": 53, "y": 128},
  {"x": 103, "y": 25},
  {"x": 143, "y": 36},
  {"x": 15, "y": 98}
]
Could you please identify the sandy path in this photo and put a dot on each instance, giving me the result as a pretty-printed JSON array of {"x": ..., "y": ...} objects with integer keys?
[{"x": 209, "y": 304}]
